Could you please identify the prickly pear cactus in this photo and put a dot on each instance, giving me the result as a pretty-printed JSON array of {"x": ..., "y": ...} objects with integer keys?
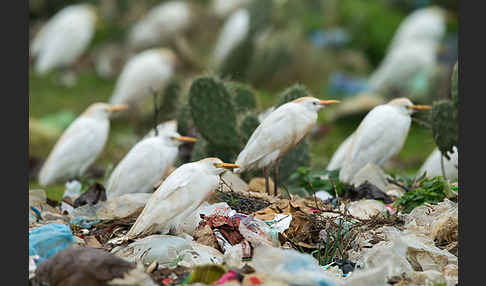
[
  {"x": 291, "y": 93},
  {"x": 247, "y": 126},
  {"x": 243, "y": 97},
  {"x": 455, "y": 85},
  {"x": 170, "y": 104},
  {"x": 213, "y": 112},
  {"x": 443, "y": 118},
  {"x": 184, "y": 119}
]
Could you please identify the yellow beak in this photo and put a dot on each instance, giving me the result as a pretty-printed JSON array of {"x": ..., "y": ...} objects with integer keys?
[
  {"x": 226, "y": 165},
  {"x": 419, "y": 107},
  {"x": 186, "y": 139},
  {"x": 330, "y": 101},
  {"x": 118, "y": 107}
]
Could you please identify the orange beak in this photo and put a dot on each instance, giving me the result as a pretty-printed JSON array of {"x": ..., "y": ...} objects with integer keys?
[
  {"x": 419, "y": 107},
  {"x": 186, "y": 139},
  {"x": 226, "y": 165},
  {"x": 330, "y": 101},
  {"x": 118, "y": 107}
]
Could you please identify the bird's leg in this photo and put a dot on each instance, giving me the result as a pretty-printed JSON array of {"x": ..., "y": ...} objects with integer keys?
[
  {"x": 266, "y": 174},
  {"x": 275, "y": 176}
]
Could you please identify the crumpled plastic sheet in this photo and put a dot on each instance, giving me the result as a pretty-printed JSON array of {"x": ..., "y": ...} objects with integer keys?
[
  {"x": 280, "y": 222},
  {"x": 48, "y": 239},
  {"x": 200, "y": 254},
  {"x": 192, "y": 221},
  {"x": 291, "y": 266},
  {"x": 406, "y": 252},
  {"x": 161, "y": 248},
  {"x": 257, "y": 232},
  {"x": 116, "y": 208},
  {"x": 364, "y": 209},
  {"x": 71, "y": 193}
]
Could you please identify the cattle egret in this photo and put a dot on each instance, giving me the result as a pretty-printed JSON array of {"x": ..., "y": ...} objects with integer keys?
[
  {"x": 146, "y": 71},
  {"x": 145, "y": 164},
  {"x": 413, "y": 49},
  {"x": 340, "y": 154},
  {"x": 64, "y": 37},
  {"x": 178, "y": 196},
  {"x": 79, "y": 145},
  {"x": 234, "y": 31},
  {"x": 278, "y": 133},
  {"x": 223, "y": 8},
  {"x": 426, "y": 24},
  {"x": 161, "y": 24},
  {"x": 432, "y": 166},
  {"x": 168, "y": 126},
  {"x": 379, "y": 136}
]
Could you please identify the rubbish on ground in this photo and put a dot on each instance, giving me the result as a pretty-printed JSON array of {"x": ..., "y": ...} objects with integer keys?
[
  {"x": 192, "y": 221},
  {"x": 323, "y": 195},
  {"x": 280, "y": 222},
  {"x": 199, "y": 254},
  {"x": 48, "y": 239},
  {"x": 95, "y": 193},
  {"x": 38, "y": 205},
  {"x": 372, "y": 174},
  {"x": 134, "y": 277},
  {"x": 206, "y": 274},
  {"x": 161, "y": 248},
  {"x": 233, "y": 183},
  {"x": 71, "y": 193},
  {"x": 290, "y": 266},
  {"x": 82, "y": 266},
  {"x": 83, "y": 223},
  {"x": 33, "y": 260},
  {"x": 234, "y": 255},
  {"x": 368, "y": 191},
  {"x": 365, "y": 209},
  {"x": 257, "y": 232},
  {"x": 116, "y": 208}
]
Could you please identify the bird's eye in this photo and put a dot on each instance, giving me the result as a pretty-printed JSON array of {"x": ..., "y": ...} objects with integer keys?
[{"x": 314, "y": 103}]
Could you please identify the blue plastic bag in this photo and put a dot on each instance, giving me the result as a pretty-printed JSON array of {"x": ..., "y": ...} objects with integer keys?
[{"x": 48, "y": 239}]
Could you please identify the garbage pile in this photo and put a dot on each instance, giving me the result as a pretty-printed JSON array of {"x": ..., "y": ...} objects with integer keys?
[{"x": 280, "y": 240}]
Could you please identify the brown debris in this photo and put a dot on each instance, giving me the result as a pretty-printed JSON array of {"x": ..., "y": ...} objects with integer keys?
[{"x": 94, "y": 194}]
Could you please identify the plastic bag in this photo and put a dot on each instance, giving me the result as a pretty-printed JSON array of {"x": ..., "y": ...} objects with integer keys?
[
  {"x": 291, "y": 267},
  {"x": 161, "y": 248},
  {"x": 48, "y": 239},
  {"x": 200, "y": 254},
  {"x": 192, "y": 221},
  {"x": 257, "y": 232}
]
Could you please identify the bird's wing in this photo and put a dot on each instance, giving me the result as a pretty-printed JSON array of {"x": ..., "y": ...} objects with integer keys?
[
  {"x": 379, "y": 136},
  {"x": 161, "y": 208},
  {"x": 77, "y": 148},
  {"x": 339, "y": 156},
  {"x": 142, "y": 167},
  {"x": 278, "y": 132}
]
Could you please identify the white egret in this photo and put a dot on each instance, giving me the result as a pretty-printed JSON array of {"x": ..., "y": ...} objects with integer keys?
[
  {"x": 426, "y": 24},
  {"x": 234, "y": 31},
  {"x": 278, "y": 133},
  {"x": 150, "y": 69},
  {"x": 340, "y": 154},
  {"x": 413, "y": 49},
  {"x": 161, "y": 24},
  {"x": 64, "y": 37},
  {"x": 178, "y": 196},
  {"x": 223, "y": 8},
  {"x": 433, "y": 166},
  {"x": 79, "y": 146},
  {"x": 168, "y": 126},
  {"x": 145, "y": 164},
  {"x": 379, "y": 136}
]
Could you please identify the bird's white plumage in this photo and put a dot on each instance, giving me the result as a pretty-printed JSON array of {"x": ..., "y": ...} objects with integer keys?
[
  {"x": 146, "y": 70},
  {"x": 433, "y": 167},
  {"x": 426, "y": 24},
  {"x": 401, "y": 64},
  {"x": 222, "y": 8},
  {"x": 380, "y": 135},
  {"x": 77, "y": 149},
  {"x": 64, "y": 37},
  {"x": 143, "y": 166},
  {"x": 338, "y": 157},
  {"x": 413, "y": 49},
  {"x": 234, "y": 31},
  {"x": 178, "y": 196},
  {"x": 164, "y": 127},
  {"x": 281, "y": 130},
  {"x": 161, "y": 24}
]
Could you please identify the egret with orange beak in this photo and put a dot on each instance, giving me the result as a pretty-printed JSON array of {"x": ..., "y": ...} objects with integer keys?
[
  {"x": 146, "y": 163},
  {"x": 79, "y": 145},
  {"x": 178, "y": 196},
  {"x": 380, "y": 135},
  {"x": 278, "y": 133}
]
